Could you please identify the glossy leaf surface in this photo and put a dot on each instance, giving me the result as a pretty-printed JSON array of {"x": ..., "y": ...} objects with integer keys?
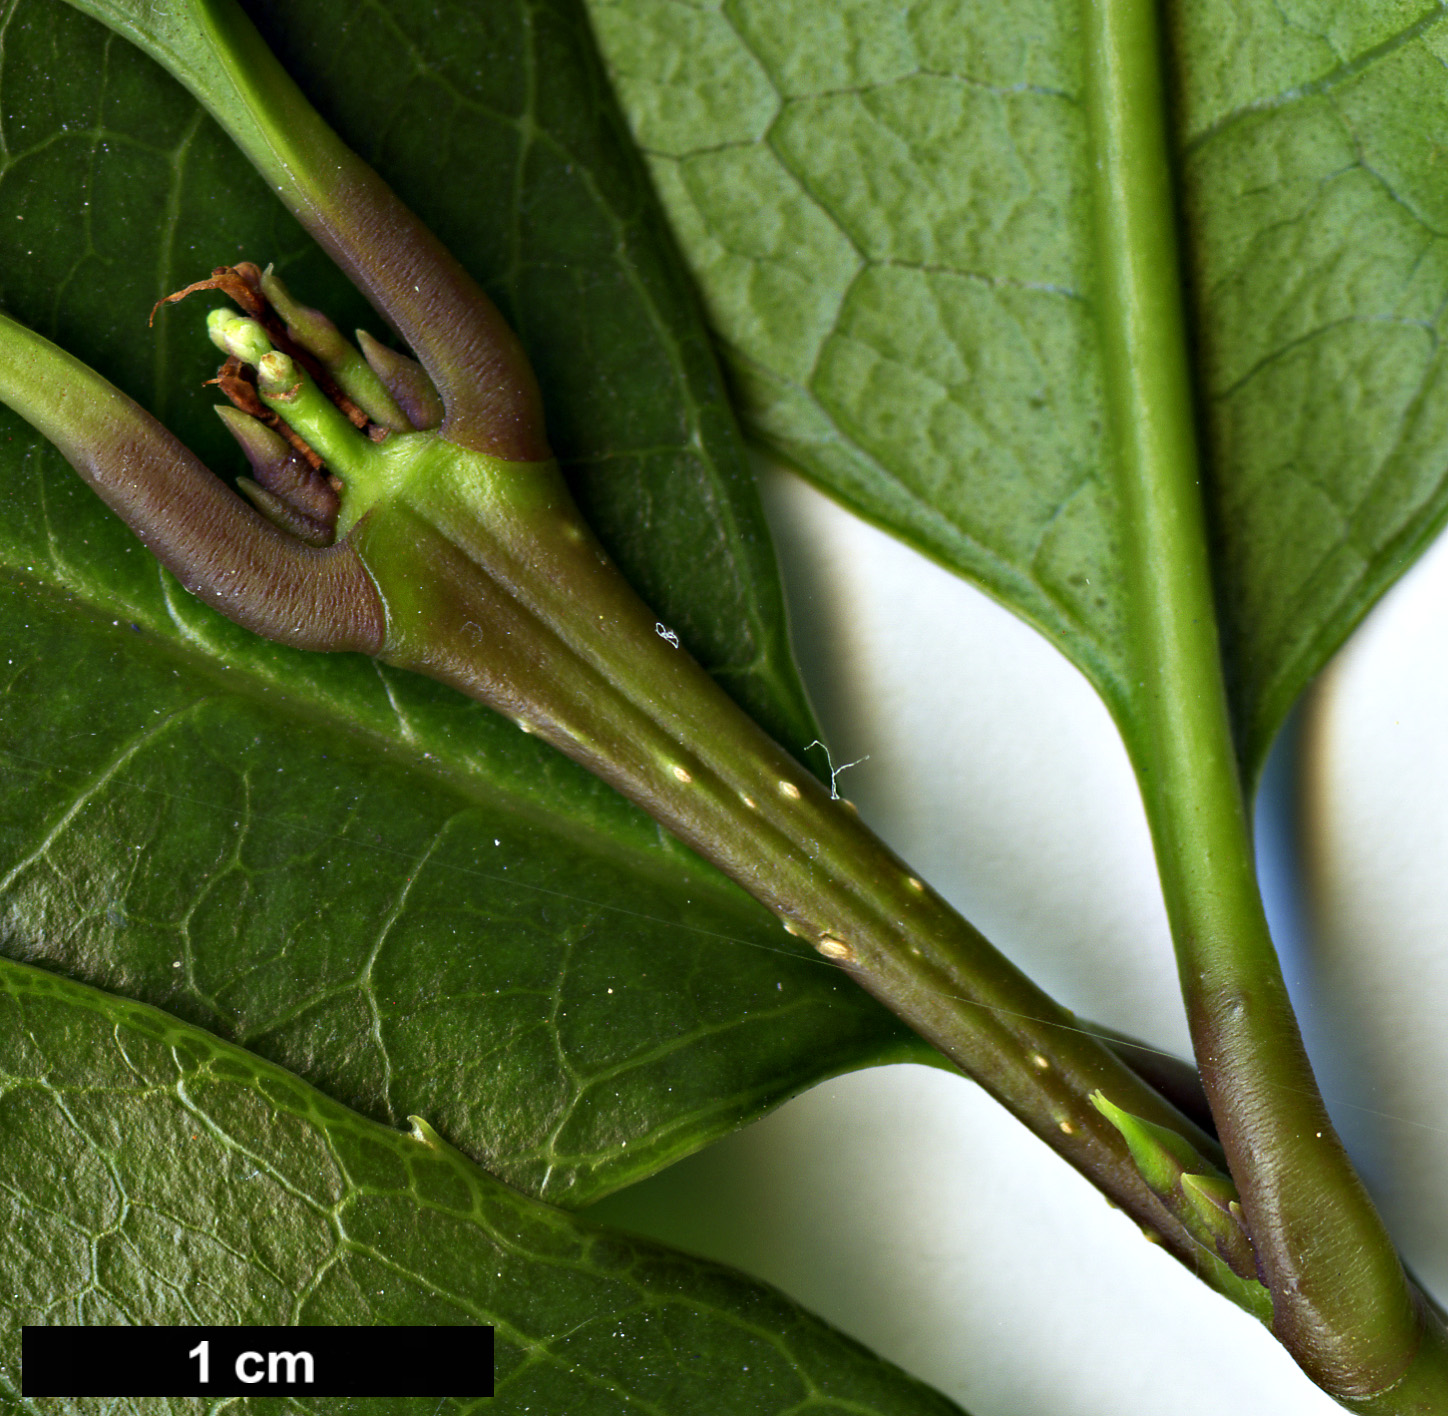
[
  {"x": 130, "y": 1135},
  {"x": 355, "y": 872},
  {"x": 888, "y": 210}
]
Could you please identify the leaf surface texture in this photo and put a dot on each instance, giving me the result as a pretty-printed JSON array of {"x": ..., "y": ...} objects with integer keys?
[
  {"x": 153, "y": 1174},
  {"x": 887, "y": 208}
]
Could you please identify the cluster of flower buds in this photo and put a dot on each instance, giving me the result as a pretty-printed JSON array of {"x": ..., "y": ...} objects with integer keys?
[{"x": 306, "y": 404}]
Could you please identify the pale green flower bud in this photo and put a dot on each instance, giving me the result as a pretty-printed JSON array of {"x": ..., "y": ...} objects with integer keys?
[{"x": 237, "y": 336}]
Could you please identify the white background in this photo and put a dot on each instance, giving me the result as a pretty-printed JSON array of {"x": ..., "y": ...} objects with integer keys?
[{"x": 906, "y": 1207}]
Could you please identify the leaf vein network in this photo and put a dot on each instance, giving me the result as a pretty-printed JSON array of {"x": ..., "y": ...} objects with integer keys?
[{"x": 1324, "y": 83}]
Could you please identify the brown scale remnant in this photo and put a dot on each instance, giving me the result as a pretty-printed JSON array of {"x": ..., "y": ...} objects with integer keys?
[{"x": 241, "y": 283}]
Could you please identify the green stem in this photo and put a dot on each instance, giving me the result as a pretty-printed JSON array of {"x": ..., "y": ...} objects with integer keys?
[
  {"x": 493, "y": 584},
  {"x": 1342, "y": 1304}
]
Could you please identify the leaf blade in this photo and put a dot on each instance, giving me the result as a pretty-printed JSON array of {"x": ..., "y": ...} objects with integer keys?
[
  {"x": 290, "y": 1209},
  {"x": 858, "y": 177},
  {"x": 1320, "y": 372}
]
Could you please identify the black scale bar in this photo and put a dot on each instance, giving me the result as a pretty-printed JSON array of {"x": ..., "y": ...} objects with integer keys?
[{"x": 256, "y": 1361}]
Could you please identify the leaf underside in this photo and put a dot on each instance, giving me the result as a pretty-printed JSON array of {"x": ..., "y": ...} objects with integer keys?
[
  {"x": 130, "y": 1135},
  {"x": 887, "y": 210},
  {"x": 357, "y": 873}
]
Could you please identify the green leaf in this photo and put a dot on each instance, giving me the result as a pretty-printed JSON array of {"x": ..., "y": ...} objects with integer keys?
[
  {"x": 153, "y": 1174},
  {"x": 357, "y": 873},
  {"x": 888, "y": 211}
]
